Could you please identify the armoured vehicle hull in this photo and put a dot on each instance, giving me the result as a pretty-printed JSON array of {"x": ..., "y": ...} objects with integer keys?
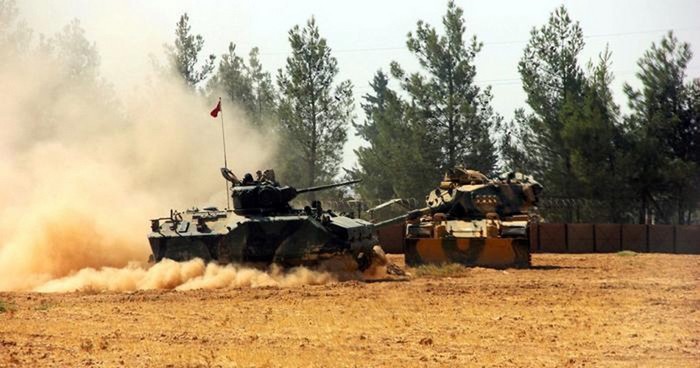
[
  {"x": 263, "y": 229},
  {"x": 472, "y": 220},
  {"x": 466, "y": 249},
  {"x": 288, "y": 240}
]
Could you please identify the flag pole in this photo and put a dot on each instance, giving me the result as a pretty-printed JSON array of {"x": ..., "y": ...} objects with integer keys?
[{"x": 223, "y": 139}]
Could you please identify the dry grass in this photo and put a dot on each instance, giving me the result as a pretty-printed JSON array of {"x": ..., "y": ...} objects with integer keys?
[
  {"x": 45, "y": 305},
  {"x": 7, "y": 307},
  {"x": 627, "y": 253},
  {"x": 439, "y": 270}
]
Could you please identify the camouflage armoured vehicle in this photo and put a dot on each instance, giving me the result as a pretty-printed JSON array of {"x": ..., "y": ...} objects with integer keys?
[
  {"x": 472, "y": 220},
  {"x": 263, "y": 228}
]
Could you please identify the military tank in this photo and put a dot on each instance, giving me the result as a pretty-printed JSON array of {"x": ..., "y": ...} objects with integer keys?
[
  {"x": 263, "y": 228},
  {"x": 472, "y": 220}
]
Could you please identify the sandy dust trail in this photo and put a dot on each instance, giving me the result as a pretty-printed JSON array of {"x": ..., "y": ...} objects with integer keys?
[{"x": 194, "y": 274}]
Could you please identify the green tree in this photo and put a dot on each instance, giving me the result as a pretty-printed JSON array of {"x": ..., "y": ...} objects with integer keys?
[
  {"x": 233, "y": 79},
  {"x": 314, "y": 112},
  {"x": 183, "y": 56},
  {"x": 15, "y": 35},
  {"x": 245, "y": 84},
  {"x": 78, "y": 56},
  {"x": 264, "y": 106},
  {"x": 380, "y": 110},
  {"x": 554, "y": 84},
  {"x": 513, "y": 142},
  {"x": 452, "y": 114},
  {"x": 392, "y": 148},
  {"x": 595, "y": 140},
  {"x": 665, "y": 131}
]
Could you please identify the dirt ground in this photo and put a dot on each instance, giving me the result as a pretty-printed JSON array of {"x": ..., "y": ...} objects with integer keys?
[{"x": 568, "y": 311}]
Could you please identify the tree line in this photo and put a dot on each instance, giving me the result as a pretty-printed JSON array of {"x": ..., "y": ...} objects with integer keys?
[{"x": 597, "y": 163}]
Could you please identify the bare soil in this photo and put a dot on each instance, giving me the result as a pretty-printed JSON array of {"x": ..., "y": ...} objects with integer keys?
[{"x": 567, "y": 311}]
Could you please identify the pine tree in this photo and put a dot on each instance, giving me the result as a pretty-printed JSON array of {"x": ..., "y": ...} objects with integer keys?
[
  {"x": 514, "y": 141},
  {"x": 232, "y": 78},
  {"x": 245, "y": 84},
  {"x": 265, "y": 97},
  {"x": 554, "y": 83},
  {"x": 78, "y": 56},
  {"x": 15, "y": 35},
  {"x": 453, "y": 115},
  {"x": 380, "y": 109},
  {"x": 392, "y": 147},
  {"x": 183, "y": 56},
  {"x": 314, "y": 111},
  {"x": 665, "y": 130},
  {"x": 594, "y": 137}
]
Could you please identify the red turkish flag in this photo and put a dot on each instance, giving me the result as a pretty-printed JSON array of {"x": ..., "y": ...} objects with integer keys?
[{"x": 214, "y": 113}]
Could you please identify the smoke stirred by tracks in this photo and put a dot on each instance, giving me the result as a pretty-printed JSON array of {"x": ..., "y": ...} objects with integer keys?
[
  {"x": 83, "y": 169},
  {"x": 194, "y": 274}
]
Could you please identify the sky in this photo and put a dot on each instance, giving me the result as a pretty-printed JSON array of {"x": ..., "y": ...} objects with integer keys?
[{"x": 366, "y": 35}]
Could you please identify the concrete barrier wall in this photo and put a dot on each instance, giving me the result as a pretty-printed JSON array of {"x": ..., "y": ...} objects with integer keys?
[
  {"x": 634, "y": 237},
  {"x": 534, "y": 238},
  {"x": 661, "y": 238},
  {"x": 588, "y": 238},
  {"x": 688, "y": 239},
  {"x": 580, "y": 238},
  {"x": 552, "y": 238},
  {"x": 606, "y": 238}
]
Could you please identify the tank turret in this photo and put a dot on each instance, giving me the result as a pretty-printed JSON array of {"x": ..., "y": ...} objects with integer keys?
[
  {"x": 470, "y": 194},
  {"x": 265, "y": 197}
]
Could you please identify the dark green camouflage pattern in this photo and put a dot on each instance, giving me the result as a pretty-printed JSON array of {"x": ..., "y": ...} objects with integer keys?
[{"x": 262, "y": 229}]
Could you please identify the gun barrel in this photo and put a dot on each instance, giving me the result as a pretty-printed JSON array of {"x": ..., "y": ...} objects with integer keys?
[
  {"x": 327, "y": 186},
  {"x": 419, "y": 212},
  {"x": 390, "y": 221}
]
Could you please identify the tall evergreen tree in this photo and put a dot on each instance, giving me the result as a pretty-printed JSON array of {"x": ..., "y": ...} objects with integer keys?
[
  {"x": 380, "y": 108},
  {"x": 512, "y": 142},
  {"x": 314, "y": 111},
  {"x": 594, "y": 136},
  {"x": 245, "y": 84},
  {"x": 665, "y": 128},
  {"x": 78, "y": 56},
  {"x": 554, "y": 84},
  {"x": 450, "y": 111},
  {"x": 15, "y": 35},
  {"x": 233, "y": 79},
  {"x": 183, "y": 55},
  {"x": 393, "y": 148},
  {"x": 265, "y": 97}
]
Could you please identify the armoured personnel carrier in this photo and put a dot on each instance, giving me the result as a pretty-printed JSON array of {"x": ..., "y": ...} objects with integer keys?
[
  {"x": 263, "y": 228},
  {"x": 472, "y": 220}
]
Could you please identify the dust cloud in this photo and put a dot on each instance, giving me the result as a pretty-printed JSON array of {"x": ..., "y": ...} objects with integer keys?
[
  {"x": 194, "y": 274},
  {"x": 83, "y": 170}
]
